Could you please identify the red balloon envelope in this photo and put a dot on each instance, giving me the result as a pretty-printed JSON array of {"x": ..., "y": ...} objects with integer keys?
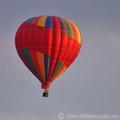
[{"x": 47, "y": 45}]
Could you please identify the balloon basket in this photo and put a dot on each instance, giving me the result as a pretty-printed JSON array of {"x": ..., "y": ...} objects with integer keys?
[{"x": 45, "y": 93}]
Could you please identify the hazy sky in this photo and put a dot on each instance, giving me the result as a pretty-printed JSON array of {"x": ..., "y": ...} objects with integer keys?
[{"x": 90, "y": 86}]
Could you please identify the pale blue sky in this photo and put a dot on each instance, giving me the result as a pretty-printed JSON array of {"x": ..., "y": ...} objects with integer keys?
[{"x": 91, "y": 85}]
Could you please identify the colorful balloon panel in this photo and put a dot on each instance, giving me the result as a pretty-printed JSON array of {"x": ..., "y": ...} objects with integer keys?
[{"x": 48, "y": 45}]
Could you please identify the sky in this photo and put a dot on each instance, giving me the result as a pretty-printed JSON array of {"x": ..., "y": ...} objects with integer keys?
[{"x": 90, "y": 86}]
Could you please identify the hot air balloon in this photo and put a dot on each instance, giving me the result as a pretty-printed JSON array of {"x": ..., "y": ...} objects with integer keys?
[{"x": 47, "y": 45}]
